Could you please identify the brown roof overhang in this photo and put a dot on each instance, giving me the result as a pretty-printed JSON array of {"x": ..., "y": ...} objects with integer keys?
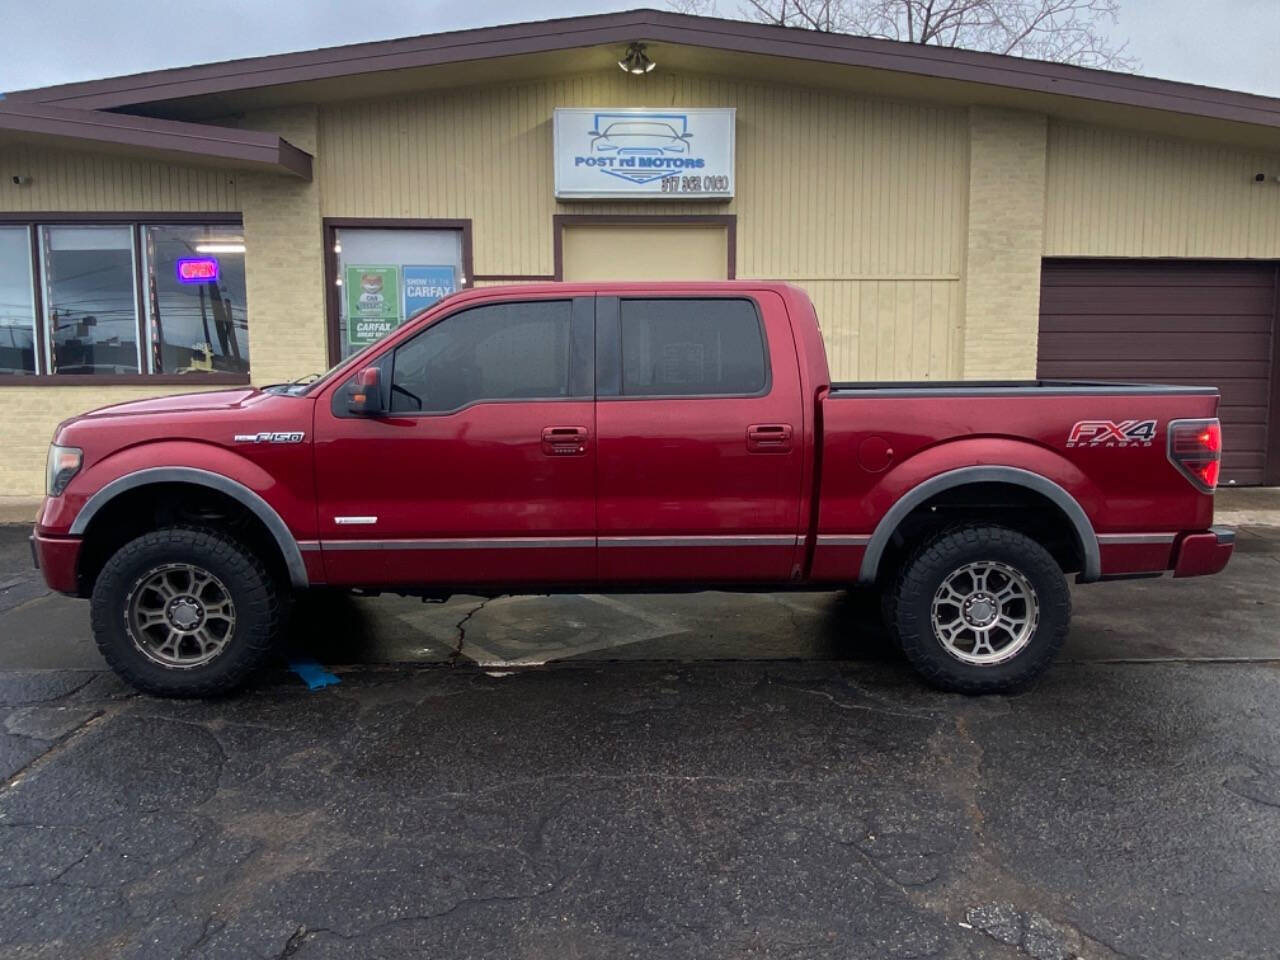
[
  {"x": 172, "y": 139},
  {"x": 664, "y": 27}
]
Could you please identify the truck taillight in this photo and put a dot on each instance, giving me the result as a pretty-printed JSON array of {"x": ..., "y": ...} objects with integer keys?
[{"x": 1195, "y": 448}]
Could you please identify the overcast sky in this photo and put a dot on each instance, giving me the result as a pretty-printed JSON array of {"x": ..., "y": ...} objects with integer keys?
[{"x": 1222, "y": 43}]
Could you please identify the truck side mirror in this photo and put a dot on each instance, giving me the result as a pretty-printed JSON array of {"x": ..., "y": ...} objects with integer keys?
[{"x": 364, "y": 394}]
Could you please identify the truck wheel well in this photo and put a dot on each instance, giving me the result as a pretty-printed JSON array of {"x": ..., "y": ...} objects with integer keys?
[
  {"x": 156, "y": 505},
  {"x": 1000, "y": 504}
]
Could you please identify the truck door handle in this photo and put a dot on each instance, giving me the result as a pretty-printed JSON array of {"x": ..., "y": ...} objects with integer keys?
[
  {"x": 564, "y": 441},
  {"x": 769, "y": 437}
]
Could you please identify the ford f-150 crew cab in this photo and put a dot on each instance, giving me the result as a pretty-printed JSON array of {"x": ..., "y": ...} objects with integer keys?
[{"x": 623, "y": 436}]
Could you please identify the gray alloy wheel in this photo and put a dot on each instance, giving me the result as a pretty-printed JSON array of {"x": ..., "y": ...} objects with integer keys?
[
  {"x": 980, "y": 608},
  {"x": 985, "y": 612},
  {"x": 186, "y": 612},
  {"x": 180, "y": 615}
]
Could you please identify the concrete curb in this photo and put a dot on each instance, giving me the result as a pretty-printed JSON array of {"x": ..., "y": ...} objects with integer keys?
[
  {"x": 1247, "y": 518},
  {"x": 19, "y": 509}
]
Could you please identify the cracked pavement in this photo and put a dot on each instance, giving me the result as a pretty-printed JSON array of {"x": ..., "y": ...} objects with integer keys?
[{"x": 613, "y": 804}]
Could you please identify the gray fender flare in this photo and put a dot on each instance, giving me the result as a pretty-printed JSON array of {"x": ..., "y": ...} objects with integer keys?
[
  {"x": 966, "y": 475},
  {"x": 204, "y": 478}
]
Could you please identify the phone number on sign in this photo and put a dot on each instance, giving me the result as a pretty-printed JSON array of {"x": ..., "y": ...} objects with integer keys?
[{"x": 696, "y": 184}]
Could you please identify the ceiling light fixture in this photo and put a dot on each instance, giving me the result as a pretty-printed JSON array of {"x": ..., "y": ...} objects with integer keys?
[
  {"x": 636, "y": 61},
  {"x": 219, "y": 248}
]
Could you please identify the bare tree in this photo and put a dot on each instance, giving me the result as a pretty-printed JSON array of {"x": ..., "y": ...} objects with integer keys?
[{"x": 1066, "y": 31}]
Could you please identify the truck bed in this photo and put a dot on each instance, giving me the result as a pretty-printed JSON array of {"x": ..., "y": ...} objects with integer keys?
[{"x": 899, "y": 437}]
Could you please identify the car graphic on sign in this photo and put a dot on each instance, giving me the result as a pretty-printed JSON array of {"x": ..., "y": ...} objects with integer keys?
[{"x": 639, "y": 138}]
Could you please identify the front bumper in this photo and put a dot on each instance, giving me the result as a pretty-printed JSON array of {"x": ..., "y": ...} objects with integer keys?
[
  {"x": 1200, "y": 554},
  {"x": 56, "y": 558}
]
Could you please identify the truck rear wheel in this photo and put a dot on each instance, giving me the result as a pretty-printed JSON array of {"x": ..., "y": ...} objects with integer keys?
[
  {"x": 184, "y": 612},
  {"x": 980, "y": 609}
]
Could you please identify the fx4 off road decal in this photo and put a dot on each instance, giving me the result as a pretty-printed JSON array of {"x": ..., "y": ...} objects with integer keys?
[{"x": 1108, "y": 433}]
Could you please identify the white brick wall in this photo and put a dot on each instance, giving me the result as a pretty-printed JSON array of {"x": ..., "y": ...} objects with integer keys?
[
  {"x": 1005, "y": 242},
  {"x": 284, "y": 265},
  {"x": 32, "y": 413}
]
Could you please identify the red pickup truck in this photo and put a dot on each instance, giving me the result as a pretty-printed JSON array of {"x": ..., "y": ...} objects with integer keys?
[{"x": 642, "y": 436}]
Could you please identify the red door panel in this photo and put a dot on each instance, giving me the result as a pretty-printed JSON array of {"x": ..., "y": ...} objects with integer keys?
[
  {"x": 467, "y": 498},
  {"x": 456, "y": 485},
  {"x": 698, "y": 488}
]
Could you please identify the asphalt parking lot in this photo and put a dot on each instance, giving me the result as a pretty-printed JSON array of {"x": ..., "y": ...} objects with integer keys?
[{"x": 611, "y": 776}]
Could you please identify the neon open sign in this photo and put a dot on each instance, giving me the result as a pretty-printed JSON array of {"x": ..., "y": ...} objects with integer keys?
[{"x": 198, "y": 270}]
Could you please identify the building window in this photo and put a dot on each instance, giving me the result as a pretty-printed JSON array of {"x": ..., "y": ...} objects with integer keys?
[
  {"x": 90, "y": 296},
  {"x": 384, "y": 275},
  {"x": 123, "y": 299},
  {"x": 17, "y": 302},
  {"x": 196, "y": 318}
]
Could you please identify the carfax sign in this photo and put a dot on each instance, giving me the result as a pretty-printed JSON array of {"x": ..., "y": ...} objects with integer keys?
[
  {"x": 637, "y": 153},
  {"x": 373, "y": 302},
  {"x": 424, "y": 285}
]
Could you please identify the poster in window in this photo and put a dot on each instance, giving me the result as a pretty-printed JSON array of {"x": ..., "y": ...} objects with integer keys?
[
  {"x": 424, "y": 285},
  {"x": 373, "y": 302}
]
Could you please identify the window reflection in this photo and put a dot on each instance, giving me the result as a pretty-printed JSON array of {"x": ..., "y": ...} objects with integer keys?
[
  {"x": 196, "y": 299},
  {"x": 89, "y": 299},
  {"x": 17, "y": 303}
]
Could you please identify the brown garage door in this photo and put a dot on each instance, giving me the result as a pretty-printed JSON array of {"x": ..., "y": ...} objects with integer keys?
[{"x": 1164, "y": 321}]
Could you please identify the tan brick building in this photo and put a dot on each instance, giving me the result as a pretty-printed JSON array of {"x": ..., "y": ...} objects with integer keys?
[{"x": 953, "y": 214}]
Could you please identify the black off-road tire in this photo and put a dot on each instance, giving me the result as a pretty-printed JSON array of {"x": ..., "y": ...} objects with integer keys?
[
  {"x": 259, "y": 611},
  {"x": 909, "y": 608}
]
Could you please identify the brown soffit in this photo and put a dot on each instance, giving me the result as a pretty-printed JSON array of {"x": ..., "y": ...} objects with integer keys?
[
  {"x": 662, "y": 27},
  {"x": 199, "y": 142}
]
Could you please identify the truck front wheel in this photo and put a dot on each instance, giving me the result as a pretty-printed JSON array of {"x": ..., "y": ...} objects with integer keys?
[
  {"x": 980, "y": 609},
  {"x": 184, "y": 612}
]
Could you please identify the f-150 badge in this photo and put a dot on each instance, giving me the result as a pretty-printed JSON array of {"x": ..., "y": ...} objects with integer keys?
[
  {"x": 268, "y": 437},
  {"x": 1108, "y": 433}
]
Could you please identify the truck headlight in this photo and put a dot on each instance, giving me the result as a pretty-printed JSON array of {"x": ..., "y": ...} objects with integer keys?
[{"x": 64, "y": 463}]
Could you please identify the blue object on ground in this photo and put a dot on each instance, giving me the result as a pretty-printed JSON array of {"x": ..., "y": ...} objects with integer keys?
[{"x": 313, "y": 673}]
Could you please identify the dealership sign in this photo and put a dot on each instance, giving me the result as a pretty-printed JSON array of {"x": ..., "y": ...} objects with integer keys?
[{"x": 634, "y": 153}]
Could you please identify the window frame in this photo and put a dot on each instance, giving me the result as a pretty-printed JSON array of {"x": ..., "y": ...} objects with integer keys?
[
  {"x": 333, "y": 293},
  {"x": 135, "y": 220},
  {"x": 609, "y": 379}
]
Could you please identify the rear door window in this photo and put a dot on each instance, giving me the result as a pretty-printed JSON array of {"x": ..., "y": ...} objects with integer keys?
[{"x": 692, "y": 348}]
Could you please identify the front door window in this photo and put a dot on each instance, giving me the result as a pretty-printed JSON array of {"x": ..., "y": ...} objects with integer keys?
[{"x": 502, "y": 351}]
